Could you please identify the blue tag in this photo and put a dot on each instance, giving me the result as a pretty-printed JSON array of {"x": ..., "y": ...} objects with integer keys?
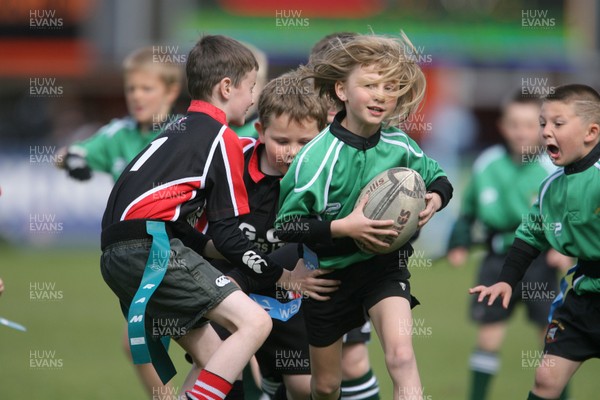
[
  {"x": 275, "y": 309},
  {"x": 311, "y": 260},
  {"x": 563, "y": 288},
  {"x": 143, "y": 350}
]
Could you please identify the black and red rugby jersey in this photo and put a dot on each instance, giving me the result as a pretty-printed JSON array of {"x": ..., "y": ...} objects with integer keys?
[
  {"x": 192, "y": 172},
  {"x": 263, "y": 197}
]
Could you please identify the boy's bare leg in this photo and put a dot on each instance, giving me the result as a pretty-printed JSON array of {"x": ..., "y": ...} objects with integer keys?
[
  {"x": 326, "y": 371},
  {"x": 210, "y": 342},
  {"x": 250, "y": 325},
  {"x": 552, "y": 376}
]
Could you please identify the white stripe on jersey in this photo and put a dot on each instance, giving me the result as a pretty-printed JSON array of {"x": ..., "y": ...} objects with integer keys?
[
  {"x": 305, "y": 150},
  {"x": 547, "y": 183},
  {"x": 228, "y": 171},
  {"x": 178, "y": 208},
  {"x": 148, "y": 153},
  {"x": 211, "y": 153},
  {"x": 116, "y": 125},
  {"x": 488, "y": 156},
  {"x": 161, "y": 187},
  {"x": 328, "y": 183},
  {"x": 249, "y": 145},
  {"x": 597, "y": 165},
  {"x": 386, "y": 135},
  {"x": 319, "y": 170}
]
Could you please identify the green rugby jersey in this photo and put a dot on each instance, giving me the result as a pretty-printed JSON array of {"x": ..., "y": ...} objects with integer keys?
[
  {"x": 499, "y": 195},
  {"x": 566, "y": 215},
  {"x": 114, "y": 145},
  {"x": 327, "y": 175},
  {"x": 246, "y": 130}
]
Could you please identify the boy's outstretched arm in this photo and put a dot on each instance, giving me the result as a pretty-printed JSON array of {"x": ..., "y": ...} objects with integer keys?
[
  {"x": 230, "y": 241},
  {"x": 519, "y": 257}
]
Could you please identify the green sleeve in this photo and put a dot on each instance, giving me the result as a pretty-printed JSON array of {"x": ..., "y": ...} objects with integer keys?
[
  {"x": 461, "y": 232},
  {"x": 95, "y": 149},
  {"x": 429, "y": 169}
]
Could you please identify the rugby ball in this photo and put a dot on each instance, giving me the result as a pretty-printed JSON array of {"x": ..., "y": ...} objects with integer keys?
[{"x": 397, "y": 194}]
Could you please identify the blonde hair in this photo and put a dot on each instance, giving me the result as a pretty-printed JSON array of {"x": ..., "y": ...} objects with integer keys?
[
  {"x": 585, "y": 100},
  {"x": 294, "y": 96},
  {"x": 391, "y": 56},
  {"x": 144, "y": 58}
]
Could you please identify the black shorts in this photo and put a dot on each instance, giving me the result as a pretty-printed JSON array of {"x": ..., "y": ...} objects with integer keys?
[
  {"x": 190, "y": 287},
  {"x": 536, "y": 291},
  {"x": 285, "y": 351},
  {"x": 362, "y": 286},
  {"x": 358, "y": 335},
  {"x": 574, "y": 332}
]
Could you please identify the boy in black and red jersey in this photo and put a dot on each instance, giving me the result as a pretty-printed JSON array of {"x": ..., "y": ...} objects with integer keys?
[
  {"x": 290, "y": 115},
  {"x": 192, "y": 176}
]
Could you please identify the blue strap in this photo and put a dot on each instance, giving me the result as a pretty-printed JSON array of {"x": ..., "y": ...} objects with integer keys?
[
  {"x": 563, "y": 289},
  {"x": 143, "y": 350},
  {"x": 276, "y": 309}
]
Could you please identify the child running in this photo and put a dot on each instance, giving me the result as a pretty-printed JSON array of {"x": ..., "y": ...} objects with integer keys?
[
  {"x": 565, "y": 217},
  {"x": 373, "y": 81}
]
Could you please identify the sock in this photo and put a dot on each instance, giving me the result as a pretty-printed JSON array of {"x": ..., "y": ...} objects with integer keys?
[
  {"x": 364, "y": 388},
  {"x": 280, "y": 393},
  {"x": 484, "y": 366},
  {"x": 534, "y": 397},
  {"x": 209, "y": 386},
  {"x": 236, "y": 392}
]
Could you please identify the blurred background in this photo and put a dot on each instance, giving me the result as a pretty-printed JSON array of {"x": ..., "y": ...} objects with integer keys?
[{"x": 61, "y": 79}]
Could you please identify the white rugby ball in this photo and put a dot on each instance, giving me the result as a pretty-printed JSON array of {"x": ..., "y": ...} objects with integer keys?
[{"x": 397, "y": 194}]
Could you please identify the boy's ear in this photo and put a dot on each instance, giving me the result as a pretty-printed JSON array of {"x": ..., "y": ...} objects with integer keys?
[
  {"x": 592, "y": 134},
  {"x": 261, "y": 131},
  {"x": 224, "y": 87},
  {"x": 340, "y": 90}
]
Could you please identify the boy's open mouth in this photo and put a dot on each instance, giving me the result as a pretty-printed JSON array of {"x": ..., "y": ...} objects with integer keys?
[{"x": 552, "y": 150}]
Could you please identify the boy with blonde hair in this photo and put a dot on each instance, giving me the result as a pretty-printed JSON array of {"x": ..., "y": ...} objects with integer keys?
[{"x": 374, "y": 82}]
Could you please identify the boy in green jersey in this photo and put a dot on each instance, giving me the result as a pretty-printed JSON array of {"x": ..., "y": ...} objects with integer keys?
[
  {"x": 151, "y": 88},
  {"x": 503, "y": 186},
  {"x": 374, "y": 81},
  {"x": 565, "y": 217}
]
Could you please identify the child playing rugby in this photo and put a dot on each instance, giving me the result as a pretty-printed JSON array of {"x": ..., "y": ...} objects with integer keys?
[
  {"x": 358, "y": 380},
  {"x": 187, "y": 178},
  {"x": 374, "y": 81},
  {"x": 565, "y": 217},
  {"x": 290, "y": 115},
  {"x": 504, "y": 183},
  {"x": 151, "y": 88}
]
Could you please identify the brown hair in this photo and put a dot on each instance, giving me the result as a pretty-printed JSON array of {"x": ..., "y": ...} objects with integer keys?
[
  {"x": 294, "y": 96},
  {"x": 326, "y": 43},
  {"x": 391, "y": 56},
  {"x": 585, "y": 100},
  {"x": 144, "y": 58},
  {"x": 213, "y": 58}
]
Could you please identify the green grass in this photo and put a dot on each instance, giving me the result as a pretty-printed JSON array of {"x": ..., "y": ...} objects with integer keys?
[{"x": 84, "y": 330}]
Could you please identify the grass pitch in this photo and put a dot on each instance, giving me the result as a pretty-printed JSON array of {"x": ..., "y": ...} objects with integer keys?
[{"x": 72, "y": 347}]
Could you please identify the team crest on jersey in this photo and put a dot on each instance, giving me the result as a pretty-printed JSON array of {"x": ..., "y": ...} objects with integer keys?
[
  {"x": 333, "y": 208},
  {"x": 554, "y": 327}
]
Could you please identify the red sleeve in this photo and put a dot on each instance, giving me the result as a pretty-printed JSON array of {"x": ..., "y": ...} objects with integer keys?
[{"x": 227, "y": 195}]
